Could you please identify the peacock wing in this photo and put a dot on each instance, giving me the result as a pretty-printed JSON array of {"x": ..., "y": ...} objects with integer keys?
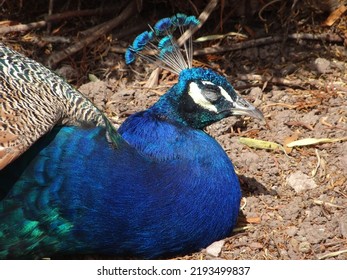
[{"x": 33, "y": 99}]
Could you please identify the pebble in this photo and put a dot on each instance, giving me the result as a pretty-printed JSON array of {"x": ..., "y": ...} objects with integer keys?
[
  {"x": 284, "y": 254},
  {"x": 291, "y": 231},
  {"x": 304, "y": 247},
  {"x": 321, "y": 65},
  {"x": 215, "y": 248},
  {"x": 257, "y": 93},
  {"x": 300, "y": 182},
  {"x": 288, "y": 69},
  {"x": 294, "y": 244},
  {"x": 68, "y": 72}
]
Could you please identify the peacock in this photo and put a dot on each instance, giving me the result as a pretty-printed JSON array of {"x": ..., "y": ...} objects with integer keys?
[{"x": 72, "y": 184}]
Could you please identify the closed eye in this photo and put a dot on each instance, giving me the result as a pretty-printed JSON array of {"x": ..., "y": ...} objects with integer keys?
[{"x": 210, "y": 91}]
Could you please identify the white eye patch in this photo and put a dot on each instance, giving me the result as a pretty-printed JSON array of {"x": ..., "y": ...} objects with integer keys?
[
  {"x": 195, "y": 93},
  {"x": 226, "y": 95}
]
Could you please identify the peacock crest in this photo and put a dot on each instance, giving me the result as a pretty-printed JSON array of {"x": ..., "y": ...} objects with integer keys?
[{"x": 159, "y": 46}]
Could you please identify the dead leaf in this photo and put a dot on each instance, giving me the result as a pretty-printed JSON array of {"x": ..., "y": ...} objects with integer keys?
[
  {"x": 261, "y": 144},
  {"x": 93, "y": 78},
  {"x": 314, "y": 141},
  {"x": 153, "y": 79},
  {"x": 290, "y": 139}
]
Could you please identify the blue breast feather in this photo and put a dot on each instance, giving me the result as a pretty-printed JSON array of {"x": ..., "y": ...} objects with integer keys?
[{"x": 74, "y": 192}]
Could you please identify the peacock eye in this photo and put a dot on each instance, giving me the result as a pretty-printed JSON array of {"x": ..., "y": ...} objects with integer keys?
[{"x": 210, "y": 91}]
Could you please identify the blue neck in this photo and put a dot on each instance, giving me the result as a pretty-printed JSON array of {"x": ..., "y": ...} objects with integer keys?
[
  {"x": 156, "y": 136},
  {"x": 166, "y": 107}
]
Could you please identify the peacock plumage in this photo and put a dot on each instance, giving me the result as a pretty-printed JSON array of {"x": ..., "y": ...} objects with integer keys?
[{"x": 71, "y": 184}]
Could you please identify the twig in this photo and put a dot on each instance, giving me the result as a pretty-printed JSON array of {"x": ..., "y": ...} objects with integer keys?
[
  {"x": 290, "y": 83},
  {"x": 122, "y": 33},
  {"x": 329, "y": 37},
  {"x": 91, "y": 30},
  {"x": 50, "y": 11},
  {"x": 264, "y": 79},
  {"x": 56, "y": 39},
  {"x": 343, "y": 194},
  {"x": 104, "y": 28},
  {"x": 334, "y": 38},
  {"x": 314, "y": 172},
  {"x": 239, "y": 46},
  {"x": 193, "y": 7},
  {"x": 238, "y": 229},
  {"x": 245, "y": 203},
  {"x": 298, "y": 123},
  {"x": 320, "y": 202},
  {"x": 333, "y": 254},
  {"x": 128, "y": 31},
  {"x": 264, "y": 7},
  {"x": 273, "y": 80},
  {"x": 202, "y": 18},
  {"x": 80, "y": 13},
  {"x": 22, "y": 27},
  {"x": 56, "y": 17}
]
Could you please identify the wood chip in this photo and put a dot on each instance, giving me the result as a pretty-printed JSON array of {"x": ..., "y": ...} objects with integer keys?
[{"x": 335, "y": 15}]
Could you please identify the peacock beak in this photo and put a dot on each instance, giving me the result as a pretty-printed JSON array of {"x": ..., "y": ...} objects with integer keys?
[{"x": 242, "y": 107}]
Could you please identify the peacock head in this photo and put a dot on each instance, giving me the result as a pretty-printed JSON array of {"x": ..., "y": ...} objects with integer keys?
[{"x": 201, "y": 96}]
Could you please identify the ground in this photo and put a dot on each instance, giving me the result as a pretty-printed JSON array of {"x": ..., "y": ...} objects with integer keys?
[{"x": 294, "y": 203}]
